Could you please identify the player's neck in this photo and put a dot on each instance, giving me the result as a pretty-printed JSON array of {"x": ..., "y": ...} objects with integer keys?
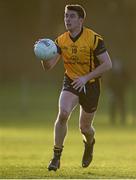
[{"x": 75, "y": 32}]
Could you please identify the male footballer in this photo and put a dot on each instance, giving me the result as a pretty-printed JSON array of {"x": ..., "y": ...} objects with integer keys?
[{"x": 85, "y": 60}]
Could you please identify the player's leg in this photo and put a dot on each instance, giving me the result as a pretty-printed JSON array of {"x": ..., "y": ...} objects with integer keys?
[
  {"x": 67, "y": 102},
  {"x": 89, "y": 103},
  {"x": 88, "y": 131},
  {"x": 86, "y": 125}
]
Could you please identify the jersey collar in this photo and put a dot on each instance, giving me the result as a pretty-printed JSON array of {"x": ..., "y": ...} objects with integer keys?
[{"x": 77, "y": 36}]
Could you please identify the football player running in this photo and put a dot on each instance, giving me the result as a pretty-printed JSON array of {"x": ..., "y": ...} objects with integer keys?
[{"x": 85, "y": 60}]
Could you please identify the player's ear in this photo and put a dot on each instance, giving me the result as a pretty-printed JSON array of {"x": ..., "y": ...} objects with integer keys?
[{"x": 81, "y": 20}]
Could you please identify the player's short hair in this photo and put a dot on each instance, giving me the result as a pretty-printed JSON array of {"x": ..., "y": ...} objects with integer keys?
[{"x": 78, "y": 8}]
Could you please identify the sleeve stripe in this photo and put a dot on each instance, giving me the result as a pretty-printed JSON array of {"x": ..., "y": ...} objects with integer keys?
[
  {"x": 96, "y": 38},
  {"x": 102, "y": 51}
]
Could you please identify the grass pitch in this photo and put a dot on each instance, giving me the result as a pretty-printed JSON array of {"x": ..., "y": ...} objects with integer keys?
[
  {"x": 25, "y": 153},
  {"x": 26, "y": 138}
]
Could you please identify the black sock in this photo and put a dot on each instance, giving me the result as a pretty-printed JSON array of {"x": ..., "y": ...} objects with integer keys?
[{"x": 57, "y": 152}]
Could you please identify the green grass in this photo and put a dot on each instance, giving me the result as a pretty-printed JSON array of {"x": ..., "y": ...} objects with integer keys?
[
  {"x": 25, "y": 153},
  {"x": 27, "y": 113}
]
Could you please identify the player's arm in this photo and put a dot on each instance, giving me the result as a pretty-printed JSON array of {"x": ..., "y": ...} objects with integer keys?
[
  {"x": 102, "y": 56},
  {"x": 105, "y": 65},
  {"x": 49, "y": 64}
]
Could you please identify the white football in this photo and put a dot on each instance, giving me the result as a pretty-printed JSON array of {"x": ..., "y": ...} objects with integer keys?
[{"x": 45, "y": 49}]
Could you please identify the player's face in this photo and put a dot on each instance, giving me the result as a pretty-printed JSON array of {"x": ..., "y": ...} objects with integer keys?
[{"x": 72, "y": 20}]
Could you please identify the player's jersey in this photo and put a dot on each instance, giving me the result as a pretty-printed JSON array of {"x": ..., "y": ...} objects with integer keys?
[{"x": 79, "y": 53}]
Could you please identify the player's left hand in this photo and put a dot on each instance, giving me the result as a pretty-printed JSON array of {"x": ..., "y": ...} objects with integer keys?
[{"x": 79, "y": 83}]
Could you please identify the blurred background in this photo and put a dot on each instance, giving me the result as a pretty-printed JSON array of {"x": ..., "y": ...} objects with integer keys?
[{"x": 28, "y": 94}]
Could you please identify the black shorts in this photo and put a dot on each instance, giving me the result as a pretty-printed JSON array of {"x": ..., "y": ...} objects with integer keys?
[{"x": 89, "y": 99}]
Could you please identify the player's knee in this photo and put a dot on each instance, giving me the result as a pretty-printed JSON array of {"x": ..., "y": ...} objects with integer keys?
[
  {"x": 63, "y": 116},
  {"x": 86, "y": 129}
]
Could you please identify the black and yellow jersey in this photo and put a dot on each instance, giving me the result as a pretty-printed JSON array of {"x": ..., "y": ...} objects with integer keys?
[{"x": 79, "y": 53}]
